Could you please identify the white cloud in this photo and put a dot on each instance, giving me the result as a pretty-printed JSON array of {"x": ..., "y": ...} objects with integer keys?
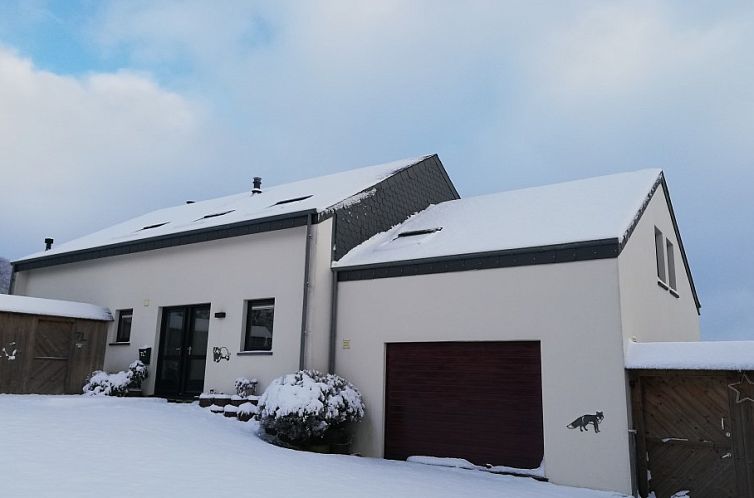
[{"x": 80, "y": 152}]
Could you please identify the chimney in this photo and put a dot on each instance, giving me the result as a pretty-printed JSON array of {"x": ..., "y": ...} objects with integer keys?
[
  {"x": 48, "y": 243},
  {"x": 257, "y": 185}
]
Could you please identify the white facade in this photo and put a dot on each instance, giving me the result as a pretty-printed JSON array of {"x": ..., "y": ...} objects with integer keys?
[
  {"x": 582, "y": 313},
  {"x": 224, "y": 273}
]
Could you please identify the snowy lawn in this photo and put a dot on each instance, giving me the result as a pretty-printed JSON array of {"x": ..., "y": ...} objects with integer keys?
[{"x": 73, "y": 446}]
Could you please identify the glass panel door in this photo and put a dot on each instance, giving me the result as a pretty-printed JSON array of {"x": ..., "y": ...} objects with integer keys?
[{"x": 183, "y": 351}]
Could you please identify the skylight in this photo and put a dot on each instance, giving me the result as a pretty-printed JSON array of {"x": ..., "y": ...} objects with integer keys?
[
  {"x": 288, "y": 201},
  {"x": 153, "y": 226},
  {"x": 215, "y": 215},
  {"x": 414, "y": 233}
]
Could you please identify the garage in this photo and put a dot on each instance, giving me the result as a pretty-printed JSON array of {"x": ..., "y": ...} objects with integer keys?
[
  {"x": 49, "y": 346},
  {"x": 480, "y": 401}
]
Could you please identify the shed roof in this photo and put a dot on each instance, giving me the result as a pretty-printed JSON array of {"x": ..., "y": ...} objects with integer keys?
[
  {"x": 318, "y": 194},
  {"x": 593, "y": 209},
  {"x": 53, "y": 307},
  {"x": 702, "y": 355}
]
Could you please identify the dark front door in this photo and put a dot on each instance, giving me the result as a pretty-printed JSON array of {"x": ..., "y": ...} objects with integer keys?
[
  {"x": 183, "y": 351},
  {"x": 481, "y": 401}
]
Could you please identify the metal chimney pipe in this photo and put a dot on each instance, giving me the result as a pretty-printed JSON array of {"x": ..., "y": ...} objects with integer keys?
[
  {"x": 48, "y": 243},
  {"x": 257, "y": 185}
]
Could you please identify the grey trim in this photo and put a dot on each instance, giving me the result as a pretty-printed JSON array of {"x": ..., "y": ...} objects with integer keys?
[
  {"x": 271, "y": 223},
  {"x": 305, "y": 299},
  {"x": 12, "y": 284},
  {"x": 254, "y": 353},
  {"x": 118, "y": 343},
  {"x": 560, "y": 253}
]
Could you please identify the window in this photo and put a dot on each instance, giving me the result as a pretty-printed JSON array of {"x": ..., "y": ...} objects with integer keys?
[
  {"x": 156, "y": 225},
  {"x": 424, "y": 231},
  {"x": 215, "y": 215},
  {"x": 671, "y": 264},
  {"x": 124, "y": 326},
  {"x": 288, "y": 201},
  {"x": 660, "y": 253},
  {"x": 259, "y": 317}
]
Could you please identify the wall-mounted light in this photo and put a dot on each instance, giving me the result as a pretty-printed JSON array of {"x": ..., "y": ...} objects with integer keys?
[{"x": 220, "y": 314}]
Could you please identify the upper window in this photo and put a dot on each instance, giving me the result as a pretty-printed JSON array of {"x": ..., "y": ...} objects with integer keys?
[
  {"x": 671, "y": 264},
  {"x": 124, "y": 326},
  {"x": 288, "y": 201},
  {"x": 260, "y": 315},
  {"x": 660, "y": 253}
]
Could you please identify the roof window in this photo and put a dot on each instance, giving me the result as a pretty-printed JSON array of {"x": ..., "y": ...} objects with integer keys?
[
  {"x": 414, "y": 233},
  {"x": 288, "y": 201},
  {"x": 149, "y": 227},
  {"x": 215, "y": 215}
]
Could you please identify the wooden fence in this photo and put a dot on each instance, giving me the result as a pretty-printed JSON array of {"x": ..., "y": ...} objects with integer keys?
[
  {"x": 695, "y": 432},
  {"x": 48, "y": 355}
]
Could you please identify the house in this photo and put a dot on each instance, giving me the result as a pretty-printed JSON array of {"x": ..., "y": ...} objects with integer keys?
[{"x": 490, "y": 328}]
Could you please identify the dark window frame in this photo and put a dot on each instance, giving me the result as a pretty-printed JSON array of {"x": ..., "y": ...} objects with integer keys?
[
  {"x": 670, "y": 257},
  {"x": 119, "y": 331},
  {"x": 660, "y": 256},
  {"x": 248, "y": 341}
]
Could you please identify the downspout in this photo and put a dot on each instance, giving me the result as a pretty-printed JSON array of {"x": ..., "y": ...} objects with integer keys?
[
  {"x": 333, "y": 301},
  {"x": 305, "y": 300}
]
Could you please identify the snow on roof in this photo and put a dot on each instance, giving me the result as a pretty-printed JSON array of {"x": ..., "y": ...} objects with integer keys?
[
  {"x": 577, "y": 211},
  {"x": 703, "y": 355},
  {"x": 320, "y": 194},
  {"x": 53, "y": 307}
]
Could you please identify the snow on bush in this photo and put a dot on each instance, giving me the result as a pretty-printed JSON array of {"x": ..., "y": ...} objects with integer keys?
[
  {"x": 104, "y": 384},
  {"x": 139, "y": 373},
  {"x": 116, "y": 384},
  {"x": 245, "y": 387},
  {"x": 308, "y": 405},
  {"x": 248, "y": 409}
]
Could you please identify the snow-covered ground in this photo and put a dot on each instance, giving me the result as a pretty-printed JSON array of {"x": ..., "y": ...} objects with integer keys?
[{"x": 75, "y": 446}]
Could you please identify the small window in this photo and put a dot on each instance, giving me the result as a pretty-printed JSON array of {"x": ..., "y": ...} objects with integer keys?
[
  {"x": 295, "y": 199},
  {"x": 414, "y": 233},
  {"x": 660, "y": 253},
  {"x": 215, "y": 215},
  {"x": 259, "y": 317},
  {"x": 671, "y": 264},
  {"x": 156, "y": 225},
  {"x": 124, "y": 326}
]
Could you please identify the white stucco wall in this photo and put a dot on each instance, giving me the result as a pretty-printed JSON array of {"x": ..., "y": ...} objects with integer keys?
[
  {"x": 223, "y": 272},
  {"x": 320, "y": 293},
  {"x": 572, "y": 308},
  {"x": 650, "y": 312}
]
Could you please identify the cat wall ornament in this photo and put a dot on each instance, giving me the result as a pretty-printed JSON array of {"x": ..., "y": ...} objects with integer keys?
[
  {"x": 10, "y": 351},
  {"x": 583, "y": 422},
  {"x": 220, "y": 353}
]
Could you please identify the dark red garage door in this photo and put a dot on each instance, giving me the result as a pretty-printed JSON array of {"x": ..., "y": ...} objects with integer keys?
[{"x": 481, "y": 401}]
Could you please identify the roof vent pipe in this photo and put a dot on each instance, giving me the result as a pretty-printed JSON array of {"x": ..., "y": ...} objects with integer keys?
[
  {"x": 257, "y": 185},
  {"x": 190, "y": 202},
  {"x": 48, "y": 243}
]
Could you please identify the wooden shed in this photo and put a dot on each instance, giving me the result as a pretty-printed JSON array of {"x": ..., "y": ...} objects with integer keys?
[
  {"x": 49, "y": 346},
  {"x": 693, "y": 412}
]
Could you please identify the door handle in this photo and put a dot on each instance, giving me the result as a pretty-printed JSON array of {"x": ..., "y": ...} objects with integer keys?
[
  {"x": 727, "y": 455},
  {"x": 189, "y": 350}
]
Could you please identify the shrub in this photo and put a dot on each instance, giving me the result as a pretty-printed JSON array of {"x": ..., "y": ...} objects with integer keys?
[
  {"x": 104, "y": 384},
  {"x": 245, "y": 387},
  {"x": 306, "y": 406},
  {"x": 139, "y": 373}
]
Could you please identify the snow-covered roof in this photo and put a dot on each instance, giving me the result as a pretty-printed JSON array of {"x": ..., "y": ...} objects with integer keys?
[
  {"x": 53, "y": 307},
  {"x": 577, "y": 211},
  {"x": 703, "y": 355},
  {"x": 318, "y": 194}
]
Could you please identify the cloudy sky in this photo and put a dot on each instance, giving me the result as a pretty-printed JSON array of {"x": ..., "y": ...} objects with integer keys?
[{"x": 108, "y": 110}]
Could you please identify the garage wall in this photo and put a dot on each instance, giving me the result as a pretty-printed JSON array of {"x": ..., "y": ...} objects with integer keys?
[
  {"x": 572, "y": 308},
  {"x": 223, "y": 272},
  {"x": 650, "y": 312}
]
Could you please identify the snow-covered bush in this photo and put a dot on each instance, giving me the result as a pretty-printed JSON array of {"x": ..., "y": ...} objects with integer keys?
[
  {"x": 245, "y": 387},
  {"x": 308, "y": 405},
  {"x": 104, "y": 384},
  {"x": 139, "y": 373}
]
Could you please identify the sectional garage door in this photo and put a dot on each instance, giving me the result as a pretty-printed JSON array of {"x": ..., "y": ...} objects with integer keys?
[{"x": 481, "y": 401}]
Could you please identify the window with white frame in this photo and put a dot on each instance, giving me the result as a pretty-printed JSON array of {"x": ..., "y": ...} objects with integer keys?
[{"x": 665, "y": 254}]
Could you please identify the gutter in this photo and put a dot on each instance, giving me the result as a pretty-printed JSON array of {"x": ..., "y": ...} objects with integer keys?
[{"x": 305, "y": 300}]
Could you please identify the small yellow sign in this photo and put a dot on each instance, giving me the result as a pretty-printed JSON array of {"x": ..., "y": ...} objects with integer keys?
[{"x": 346, "y": 343}]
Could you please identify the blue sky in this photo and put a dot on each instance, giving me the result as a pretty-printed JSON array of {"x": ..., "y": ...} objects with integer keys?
[{"x": 109, "y": 109}]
